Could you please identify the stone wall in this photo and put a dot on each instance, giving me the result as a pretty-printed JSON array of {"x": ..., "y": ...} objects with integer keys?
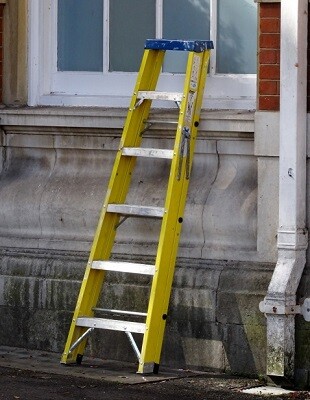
[{"x": 55, "y": 168}]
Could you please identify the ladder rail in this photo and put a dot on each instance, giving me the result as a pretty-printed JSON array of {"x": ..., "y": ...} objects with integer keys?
[
  {"x": 117, "y": 191},
  {"x": 170, "y": 231}
]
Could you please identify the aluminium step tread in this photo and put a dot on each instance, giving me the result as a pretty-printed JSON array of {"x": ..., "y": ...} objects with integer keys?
[
  {"x": 144, "y": 152},
  {"x": 123, "y": 266},
  {"x": 155, "y": 95},
  {"x": 136, "y": 211},
  {"x": 111, "y": 324}
]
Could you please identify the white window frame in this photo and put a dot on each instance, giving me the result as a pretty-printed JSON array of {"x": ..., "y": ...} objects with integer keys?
[{"x": 49, "y": 87}]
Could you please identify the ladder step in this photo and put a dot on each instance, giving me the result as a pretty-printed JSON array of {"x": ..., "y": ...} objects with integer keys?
[
  {"x": 161, "y": 121},
  {"x": 120, "y": 312},
  {"x": 136, "y": 211},
  {"x": 111, "y": 324},
  {"x": 119, "y": 266},
  {"x": 142, "y": 152},
  {"x": 153, "y": 95}
]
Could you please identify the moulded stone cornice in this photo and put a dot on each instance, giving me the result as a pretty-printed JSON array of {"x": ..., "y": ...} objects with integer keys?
[{"x": 238, "y": 123}]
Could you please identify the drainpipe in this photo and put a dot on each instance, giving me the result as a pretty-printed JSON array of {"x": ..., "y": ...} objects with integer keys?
[{"x": 279, "y": 304}]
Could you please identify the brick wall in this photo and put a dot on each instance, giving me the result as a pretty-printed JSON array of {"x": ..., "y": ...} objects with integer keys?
[
  {"x": 308, "y": 86},
  {"x": 1, "y": 49},
  {"x": 269, "y": 57}
]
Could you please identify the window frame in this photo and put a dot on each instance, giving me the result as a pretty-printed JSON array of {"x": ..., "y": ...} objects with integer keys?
[{"x": 49, "y": 87}]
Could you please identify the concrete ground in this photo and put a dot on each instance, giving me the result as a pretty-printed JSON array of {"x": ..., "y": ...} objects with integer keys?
[{"x": 31, "y": 375}]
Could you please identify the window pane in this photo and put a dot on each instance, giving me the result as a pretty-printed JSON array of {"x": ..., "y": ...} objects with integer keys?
[
  {"x": 192, "y": 22},
  {"x": 236, "y": 43},
  {"x": 80, "y": 35},
  {"x": 131, "y": 23}
]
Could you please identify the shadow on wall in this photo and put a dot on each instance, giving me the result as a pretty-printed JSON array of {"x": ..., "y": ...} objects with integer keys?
[{"x": 214, "y": 320}]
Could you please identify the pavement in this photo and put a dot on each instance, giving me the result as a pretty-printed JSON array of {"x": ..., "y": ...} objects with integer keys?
[
  {"x": 19, "y": 366},
  {"x": 91, "y": 368}
]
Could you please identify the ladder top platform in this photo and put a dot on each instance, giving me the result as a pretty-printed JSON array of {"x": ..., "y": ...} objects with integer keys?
[{"x": 198, "y": 46}]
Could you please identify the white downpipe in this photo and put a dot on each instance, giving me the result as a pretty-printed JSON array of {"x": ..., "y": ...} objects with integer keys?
[{"x": 280, "y": 301}]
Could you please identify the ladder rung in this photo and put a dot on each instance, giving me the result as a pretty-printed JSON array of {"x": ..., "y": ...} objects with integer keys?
[
  {"x": 151, "y": 95},
  {"x": 161, "y": 121},
  {"x": 136, "y": 211},
  {"x": 152, "y": 153},
  {"x": 111, "y": 324},
  {"x": 120, "y": 312},
  {"x": 119, "y": 266}
]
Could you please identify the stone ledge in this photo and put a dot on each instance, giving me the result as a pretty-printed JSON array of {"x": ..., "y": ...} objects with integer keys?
[{"x": 238, "y": 122}]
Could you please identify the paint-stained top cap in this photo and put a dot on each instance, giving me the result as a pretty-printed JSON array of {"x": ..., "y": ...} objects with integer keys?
[{"x": 197, "y": 46}]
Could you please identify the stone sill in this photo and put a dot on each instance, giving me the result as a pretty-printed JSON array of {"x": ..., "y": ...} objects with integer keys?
[
  {"x": 267, "y": 1},
  {"x": 240, "y": 122}
]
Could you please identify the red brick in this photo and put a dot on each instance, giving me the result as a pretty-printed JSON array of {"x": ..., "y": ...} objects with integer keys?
[
  {"x": 269, "y": 41},
  {"x": 270, "y": 72},
  {"x": 269, "y": 103},
  {"x": 270, "y": 25},
  {"x": 269, "y": 56},
  {"x": 268, "y": 88},
  {"x": 1, "y": 53},
  {"x": 270, "y": 10}
]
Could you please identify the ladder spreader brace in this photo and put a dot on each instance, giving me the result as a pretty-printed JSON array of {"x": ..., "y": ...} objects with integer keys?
[{"x": 115, "y": 211}]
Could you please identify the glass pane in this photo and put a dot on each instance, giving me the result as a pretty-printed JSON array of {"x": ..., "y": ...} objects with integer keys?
[
  {"x": 192, "y": 22},
  {"x": 236, "y": 43},
  {"x": 80, "y": 35},
  {"x": 131, "y": 23}
]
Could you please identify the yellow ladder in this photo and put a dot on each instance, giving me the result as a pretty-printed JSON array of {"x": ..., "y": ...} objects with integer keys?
[{"x": 115, "y": 210}]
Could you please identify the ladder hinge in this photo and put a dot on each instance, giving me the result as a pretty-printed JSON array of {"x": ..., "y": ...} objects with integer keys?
[{"x": 185, "y": 148}]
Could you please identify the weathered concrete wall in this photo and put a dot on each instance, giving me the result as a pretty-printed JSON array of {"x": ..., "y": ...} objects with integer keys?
[
  {"x": 56, "y": 164},
  {"x": 213, "y": 321},
  {"x": 65, "y": 172}
]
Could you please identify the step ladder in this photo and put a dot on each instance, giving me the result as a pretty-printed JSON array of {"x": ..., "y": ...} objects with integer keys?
[{"x": 115, "y": 210}]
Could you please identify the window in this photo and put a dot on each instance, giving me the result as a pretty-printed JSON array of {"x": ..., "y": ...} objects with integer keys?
[{"x": 87, "y": 52}]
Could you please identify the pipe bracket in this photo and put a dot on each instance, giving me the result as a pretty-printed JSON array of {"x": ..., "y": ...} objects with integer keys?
[{"x": 276, "y": 309}]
